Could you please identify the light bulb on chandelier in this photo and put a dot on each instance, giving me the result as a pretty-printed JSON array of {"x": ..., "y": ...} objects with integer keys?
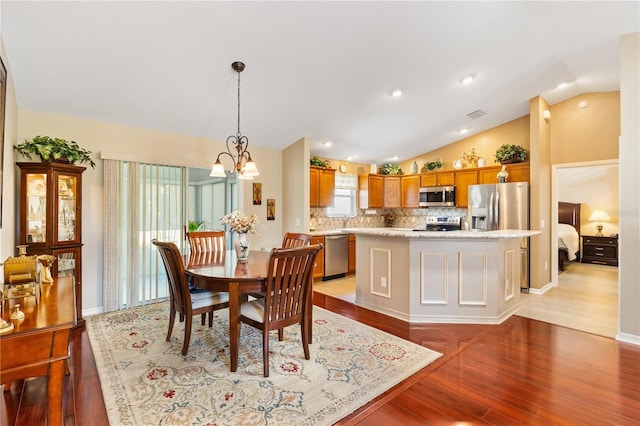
[{"x": 243, "y": 164}]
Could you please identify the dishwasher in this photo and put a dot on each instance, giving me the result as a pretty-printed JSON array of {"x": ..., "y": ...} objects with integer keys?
[{"x": 336, "y": 256}]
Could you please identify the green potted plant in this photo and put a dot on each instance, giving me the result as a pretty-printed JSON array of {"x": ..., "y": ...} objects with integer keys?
[
  {"x": 194, "y": 225},
  {"x": 432, "y": 165},
  {"x": 390, "y": 169},
  {"x": 507, "y": 154},
  {"x": 316, "y": 161},
  {"x": 52, "y": 149}
]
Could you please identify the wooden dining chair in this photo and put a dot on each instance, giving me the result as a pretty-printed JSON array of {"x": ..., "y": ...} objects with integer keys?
[
  {"x": 180, "y": 297},
  {"x": 286, "y": 301},
  {"x": 205, "y": 241},
  {"x": 202, "y": 243},
  {"x": 294, "y": 239}
]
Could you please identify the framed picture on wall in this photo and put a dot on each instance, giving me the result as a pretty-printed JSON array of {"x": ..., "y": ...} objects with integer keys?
[
  {"x": 271, "y": 209},
  {"x": 257, "y": 194}
]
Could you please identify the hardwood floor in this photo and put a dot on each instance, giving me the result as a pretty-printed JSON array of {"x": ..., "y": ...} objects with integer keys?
[{"x": 520, "y": 372}]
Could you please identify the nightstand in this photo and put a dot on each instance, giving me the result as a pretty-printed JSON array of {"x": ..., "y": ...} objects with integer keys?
[{"x": 602, "y": 250}]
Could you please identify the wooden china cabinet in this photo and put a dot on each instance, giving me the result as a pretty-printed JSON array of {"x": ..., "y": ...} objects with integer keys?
[{"x": 51, "y": 218}]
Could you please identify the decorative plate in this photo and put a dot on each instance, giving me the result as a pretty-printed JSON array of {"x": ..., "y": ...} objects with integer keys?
[
  {"x": 37, "y": 188},
  {"x": 342, "y": 168}
]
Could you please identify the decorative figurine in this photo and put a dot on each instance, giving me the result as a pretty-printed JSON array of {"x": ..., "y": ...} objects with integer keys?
[
  {"x": 503, "y": 174},
  {"x": 17, "y": 314},
  {"x": 46, "y": 260}
]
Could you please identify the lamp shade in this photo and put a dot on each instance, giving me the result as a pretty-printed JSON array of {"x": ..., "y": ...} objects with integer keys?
[{"x": 599, "y": 216}]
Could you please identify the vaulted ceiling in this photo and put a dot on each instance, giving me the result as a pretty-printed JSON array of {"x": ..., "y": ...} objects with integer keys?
[{"x": 323, "y": 70}]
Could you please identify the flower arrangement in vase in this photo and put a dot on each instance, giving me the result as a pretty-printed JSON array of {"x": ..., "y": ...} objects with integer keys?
[
  {"x": 471, "y": 157},
  {"x": 242, "y": 224}
]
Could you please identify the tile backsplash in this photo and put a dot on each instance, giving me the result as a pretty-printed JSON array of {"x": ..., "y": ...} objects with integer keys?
[{"x": 405, "y": 218}]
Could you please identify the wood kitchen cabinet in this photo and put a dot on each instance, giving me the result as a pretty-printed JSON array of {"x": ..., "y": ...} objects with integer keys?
[
  {"x": 371, "y": 191},
  {"x": 410, "y": 190},
  {"x": 321, "y": 186},
  {"x": 318, "y": 272},
  {"x": 51, "y": 218},
  {"x": 392, "y": 192},
  {"x": 518, "y": 172},
  {"x": 464, "y": 178},
  {"x": 437, "y": 179},
  {"x": 352, "y": 252}
]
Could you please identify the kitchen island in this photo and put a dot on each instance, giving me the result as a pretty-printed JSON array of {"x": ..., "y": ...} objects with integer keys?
[{"x": 444, "y": 277}]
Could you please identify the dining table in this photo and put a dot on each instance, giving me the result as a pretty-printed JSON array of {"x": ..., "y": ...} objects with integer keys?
[{"x": 221, "y": 271}]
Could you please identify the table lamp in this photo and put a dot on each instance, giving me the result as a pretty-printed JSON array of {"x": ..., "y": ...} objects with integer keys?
[{"x": 599, "y": 216}]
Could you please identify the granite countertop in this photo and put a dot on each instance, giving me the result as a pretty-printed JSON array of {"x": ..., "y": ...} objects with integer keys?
[{"x": 410, "y": 233}]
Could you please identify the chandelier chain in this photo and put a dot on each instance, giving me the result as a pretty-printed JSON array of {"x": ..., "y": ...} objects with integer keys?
[{"x": 238, "y": 132}]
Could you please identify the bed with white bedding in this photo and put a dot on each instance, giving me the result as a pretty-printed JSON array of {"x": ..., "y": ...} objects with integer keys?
[
  {"x": 568, "y": 238},
  {"x": 568, "y": 233}
]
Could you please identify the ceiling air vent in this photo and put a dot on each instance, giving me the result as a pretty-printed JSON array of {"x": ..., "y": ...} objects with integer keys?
[{"x": 476, "y": 114}]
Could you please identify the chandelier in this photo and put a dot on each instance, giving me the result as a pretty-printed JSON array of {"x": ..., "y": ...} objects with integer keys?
[{"x": 242, "y": 162}]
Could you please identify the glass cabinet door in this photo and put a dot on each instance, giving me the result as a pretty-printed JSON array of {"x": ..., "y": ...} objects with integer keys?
[
  {"x": 36, "y": 200},
  {"x": 66, "y": 208}
]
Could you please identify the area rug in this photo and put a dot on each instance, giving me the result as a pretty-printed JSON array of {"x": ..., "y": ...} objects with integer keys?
[{"x": 146, "y": 381}]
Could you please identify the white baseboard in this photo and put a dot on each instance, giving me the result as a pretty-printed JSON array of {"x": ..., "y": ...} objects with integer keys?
[
  {"x": 542, "y": 290},
  {"x": 628, "y": 338},
  {"x": 92, "y": 311}
]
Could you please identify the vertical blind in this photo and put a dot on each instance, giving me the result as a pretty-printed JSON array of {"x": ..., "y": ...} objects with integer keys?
[{"x": 142, "y": 202}]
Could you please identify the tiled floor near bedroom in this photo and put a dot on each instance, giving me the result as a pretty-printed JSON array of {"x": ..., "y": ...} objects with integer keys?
[{"x": 586, "y": 298}]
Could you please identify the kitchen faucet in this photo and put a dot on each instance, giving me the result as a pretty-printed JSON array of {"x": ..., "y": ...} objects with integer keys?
[{"x": 346, "y": 219}]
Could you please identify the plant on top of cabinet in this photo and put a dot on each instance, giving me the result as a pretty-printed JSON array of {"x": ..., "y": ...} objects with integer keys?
[
  {"x": 507, "y": 153},
  {"x": 432, "y": 165},
  {"x": 50, "y": 149},
  {"x": 390, "y": 169},
  {"x": 316, "y": 161}
]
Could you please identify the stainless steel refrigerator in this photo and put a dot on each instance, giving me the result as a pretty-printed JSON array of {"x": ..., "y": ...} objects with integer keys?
[{"x": 502, "y": 206}]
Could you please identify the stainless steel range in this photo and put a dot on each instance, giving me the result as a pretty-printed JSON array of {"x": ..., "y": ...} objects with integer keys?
[{"x": 441, "y": 223}]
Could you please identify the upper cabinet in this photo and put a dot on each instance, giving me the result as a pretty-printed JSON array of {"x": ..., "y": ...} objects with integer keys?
[
  {"x": 464, "y": 178},
  {"x": 392, "y": 192},
  {"x": 411, "y": 191},
  {"x": 518, "y": 172},
  {"x": 322, "y": 186},
  {"x": 384, "y": 191},
  {"x": 437, "y": 179}
]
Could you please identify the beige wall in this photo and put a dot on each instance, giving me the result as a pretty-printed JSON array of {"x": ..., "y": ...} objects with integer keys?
[
  {"x": 485, "y": 143},
  {"x": 629, "y": 269},
  {"x": 145, "y": 145},
  {"x": 7, "y": 232},
  {"x": 585, "y": 132},
  {"x": 295, "y": 204},
  {"x": 540, "y": 194}
]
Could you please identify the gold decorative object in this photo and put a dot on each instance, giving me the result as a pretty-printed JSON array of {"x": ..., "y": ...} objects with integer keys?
[
  {"x": 46, "y": 260},
  {"x": 17, "y": 314}
]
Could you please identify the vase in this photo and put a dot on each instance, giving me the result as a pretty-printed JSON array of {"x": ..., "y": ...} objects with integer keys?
[{"x": 242, "y": 247}]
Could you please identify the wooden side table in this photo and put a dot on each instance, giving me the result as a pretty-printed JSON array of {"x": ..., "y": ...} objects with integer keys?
[
  {"x": 39, "y": 344},
  {"x": 601, "y": 250}
]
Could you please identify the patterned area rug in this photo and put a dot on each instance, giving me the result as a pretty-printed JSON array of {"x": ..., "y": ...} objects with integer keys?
[{"x": 146, "y": 381}]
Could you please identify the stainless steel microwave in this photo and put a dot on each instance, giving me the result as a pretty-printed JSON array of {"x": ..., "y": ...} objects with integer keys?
[{"x": 438, "y": 196}]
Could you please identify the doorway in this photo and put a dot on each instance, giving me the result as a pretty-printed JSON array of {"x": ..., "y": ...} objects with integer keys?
[{"x": 595, "y": 186}]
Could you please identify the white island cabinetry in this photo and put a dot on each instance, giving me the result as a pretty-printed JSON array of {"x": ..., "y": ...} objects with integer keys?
[{"x": 443, "y": 277}]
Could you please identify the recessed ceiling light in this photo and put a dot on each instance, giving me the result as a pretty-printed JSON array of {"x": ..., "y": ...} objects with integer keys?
[
  {"x": 394, "y": 158},
  {"x": 396, "y": 93},
  {"x": 563, "y": 85},
  {"x": 327, "y": 143},
  {"x": 351, "y": 157},
  {"x": 463, "y": 131},
  {"x": 467, "y": 79}
]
